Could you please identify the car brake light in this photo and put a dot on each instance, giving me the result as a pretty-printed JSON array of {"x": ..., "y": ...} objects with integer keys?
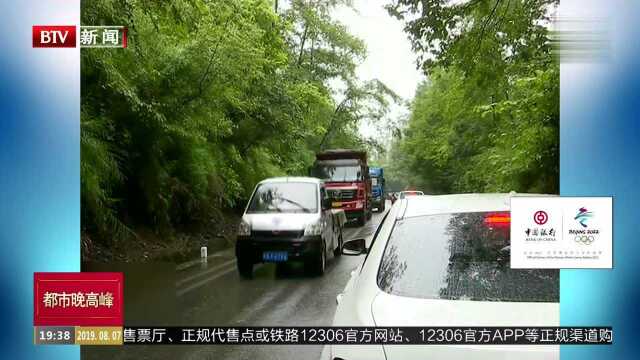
[{"x": 499, "y": 219}]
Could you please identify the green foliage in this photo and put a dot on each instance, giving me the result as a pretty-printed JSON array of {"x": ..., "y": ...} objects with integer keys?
[
  {"x": 525, "y": 147},
  {"x": 209, "y": 98},
  {"x": 475, "y": 35},
  {"x": 99, "y": 172},
  {"x": 487, "y": 119}
]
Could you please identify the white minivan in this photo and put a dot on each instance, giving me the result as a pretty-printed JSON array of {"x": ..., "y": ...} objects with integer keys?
[{"x": 289, "y": 219}]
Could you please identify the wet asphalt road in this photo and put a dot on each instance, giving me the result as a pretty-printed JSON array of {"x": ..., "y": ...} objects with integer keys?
[{"x": 213, "y": 294}]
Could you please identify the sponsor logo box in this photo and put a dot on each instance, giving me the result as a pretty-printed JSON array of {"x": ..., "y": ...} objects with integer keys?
[{"x": 561, "y": 232}]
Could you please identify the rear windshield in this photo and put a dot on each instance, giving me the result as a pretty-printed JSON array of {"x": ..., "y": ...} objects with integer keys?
[
  {"x": 459, "y": 257},
  {"x": 284, "y": 197}
]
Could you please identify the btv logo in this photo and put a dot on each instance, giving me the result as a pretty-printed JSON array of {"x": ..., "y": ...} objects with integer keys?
[{"x": 52, "y": 36}]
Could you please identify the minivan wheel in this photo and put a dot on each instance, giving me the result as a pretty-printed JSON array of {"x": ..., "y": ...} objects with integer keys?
[
  {"x": 245, "y": 268},
  {"x": 323, "y": 262},
  {"x": 317, "y": 264},
  {"x": 338, "y": 250}
]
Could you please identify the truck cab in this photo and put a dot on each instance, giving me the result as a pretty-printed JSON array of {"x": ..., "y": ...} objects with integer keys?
[
  {"x": 346, "y": 177},
  {"x": 378, "y": 199}
]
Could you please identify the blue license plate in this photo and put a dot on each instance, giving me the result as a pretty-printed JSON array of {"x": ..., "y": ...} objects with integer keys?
[{"x": 275, "y": 256}]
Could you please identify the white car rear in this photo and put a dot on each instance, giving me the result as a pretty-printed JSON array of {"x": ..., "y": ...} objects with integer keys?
[{"x": 444, "y": 261}]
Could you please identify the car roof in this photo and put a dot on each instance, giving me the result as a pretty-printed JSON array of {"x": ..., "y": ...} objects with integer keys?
[
  {"x": 442, "y": 204},
  {"x": 302, "y": 179}
]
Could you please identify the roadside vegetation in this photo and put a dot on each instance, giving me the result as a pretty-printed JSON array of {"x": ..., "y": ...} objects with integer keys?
[
  {"x": 209, "y": 98},
  {"x": 487, "y": 117}
]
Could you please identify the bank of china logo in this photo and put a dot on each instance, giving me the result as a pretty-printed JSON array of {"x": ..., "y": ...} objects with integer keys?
[
  {"x": 582, "y": 216},
  {"x": 540, "y": 217}
]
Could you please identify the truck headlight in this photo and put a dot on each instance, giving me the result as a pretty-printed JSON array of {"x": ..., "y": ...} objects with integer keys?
[
  {"x": 314, "y": 228},
  {"x": 244, "y": 229}
]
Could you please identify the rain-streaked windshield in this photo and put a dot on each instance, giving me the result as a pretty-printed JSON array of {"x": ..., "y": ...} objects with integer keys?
[
  {"x": 342, "y": 173},
  {"x": 284, "y": 197},
  {"x": 459, "y": 257}
]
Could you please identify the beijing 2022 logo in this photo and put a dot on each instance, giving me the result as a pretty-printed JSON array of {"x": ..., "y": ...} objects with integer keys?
[
  {"x": 583, "y": 215},
  {"x": 584, "y": 236}
]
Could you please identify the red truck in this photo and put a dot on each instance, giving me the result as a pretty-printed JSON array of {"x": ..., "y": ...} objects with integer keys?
[{"x": 346, "y": 177}]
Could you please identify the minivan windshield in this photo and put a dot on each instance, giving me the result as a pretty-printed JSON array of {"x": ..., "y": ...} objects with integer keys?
[
  {"x": 459, "y": 257},
  {"x": 284, "y": 197}
]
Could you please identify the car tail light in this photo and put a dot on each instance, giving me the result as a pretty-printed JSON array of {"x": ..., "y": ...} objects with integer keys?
[{"x": 498, "y": 219}]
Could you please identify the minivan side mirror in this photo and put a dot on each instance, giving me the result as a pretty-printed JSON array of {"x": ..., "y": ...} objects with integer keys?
[
  {"x": 354, "y": 247},
  {"x": 326, "y": 204}
]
